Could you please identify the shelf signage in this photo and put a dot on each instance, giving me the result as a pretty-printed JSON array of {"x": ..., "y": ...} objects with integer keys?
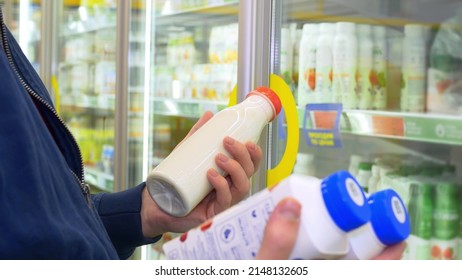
[{"x": 321, "y": 125}]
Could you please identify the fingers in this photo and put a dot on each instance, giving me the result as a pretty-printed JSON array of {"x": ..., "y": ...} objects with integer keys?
[
  {"x": 256, "y": 155},
  {"x": 394, "y": 252},
  {"x": 281, "y": 231},
  {"x": 241, "y": 154}
]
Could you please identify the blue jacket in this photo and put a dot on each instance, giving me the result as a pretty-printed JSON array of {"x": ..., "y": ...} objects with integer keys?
[{"x": 45, "y": 209}]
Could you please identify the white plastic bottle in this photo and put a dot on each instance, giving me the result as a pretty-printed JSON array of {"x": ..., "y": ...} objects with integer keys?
[
  {"x": 330, "y": 208},
  {"x": 287, "y": 53},
  {"x": 324, "y": 63},
  {"x": 307, "y": 64},
  {"x": 414, "y": 68},
  {"x": 345, "y": 55},
  {"x": 379, "y": 75},
  {"x": 305, "y": 164},
  {"x": 364, "y": 175},
  {"x": 389, "y": 225},
  {"x": 180, "y": 182},
  {"x": 374, "y": 179},
  {"x": 365, "y": 56}
]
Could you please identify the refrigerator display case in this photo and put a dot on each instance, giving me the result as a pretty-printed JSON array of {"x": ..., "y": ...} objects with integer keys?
[
  {"x": 100, "y": 84},
  {"x": 130, "y": 78},
  {"x": 377, "y": 85},
  {"x": 194, "y": 69},
  {"x": 25, "y": 19}
]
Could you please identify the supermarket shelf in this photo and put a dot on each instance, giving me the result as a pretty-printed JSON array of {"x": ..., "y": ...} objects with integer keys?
[
  {"x": 220, "y": 12},
  {"x": 103, "y": 103},
  {"x": 432, "y": 128},
  {"x": 190, "y": 108},
  {"x": 375, "y": 12},
  {"x": 101, "y": 180}
]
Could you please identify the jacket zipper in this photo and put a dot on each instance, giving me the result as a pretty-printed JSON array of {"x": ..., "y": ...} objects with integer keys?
[{"x": 81, "y": 180}]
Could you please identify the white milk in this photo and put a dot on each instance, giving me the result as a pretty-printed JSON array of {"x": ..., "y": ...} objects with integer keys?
[
  {"x": 389, "y": 225},
  {"x": 345, "y": 65},
  {"x": 307, "y": 64},
  {"x": 180, "y": 181},
  {"x": 330, "y": 208},
  {"x": 414, "y": 69},
  {"x": 379, "y": 69},
  {"x": 364, "y": 66},
  {"x": 324, "y": 63}
]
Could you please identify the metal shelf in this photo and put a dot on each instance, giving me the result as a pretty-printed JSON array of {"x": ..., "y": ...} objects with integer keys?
[
  {"x": 189, "y": 108},
  {"x": 214, "y": 14},
  {"x": 431, "y": 128}
]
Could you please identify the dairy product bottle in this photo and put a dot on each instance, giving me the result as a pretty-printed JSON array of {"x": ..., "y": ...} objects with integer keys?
[
  {"x": 345, "y": 55},
  {"x": 305, "y": 164},
  {"x": 365, "y": 56},
  {"x": 413, "y": 69},
  {"x": 324, "y": 63},
  {"x": 389, "y": 225},
  {"x": 180, "y": 182},
  {"x": 420, "y": 209},
  {"x": 330, "y": 208},
  {"x": 364, "y": 175},
  {"x": 374, "y": 179},
  {"x": 307, "y": 64},
  {"x": 379, "y": 68},
  {"x": 287, "y": 53}
]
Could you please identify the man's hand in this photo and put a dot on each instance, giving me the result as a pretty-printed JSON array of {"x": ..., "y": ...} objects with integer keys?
[{"x": 227, "y": 190}]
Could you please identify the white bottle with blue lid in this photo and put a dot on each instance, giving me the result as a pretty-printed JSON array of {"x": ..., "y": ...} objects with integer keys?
[
  {"x": 389, "y": 225},
  {"x": 330, "y": 208}
]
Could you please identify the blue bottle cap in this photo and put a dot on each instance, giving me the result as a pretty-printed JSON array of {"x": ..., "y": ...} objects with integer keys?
[
  {"x": 389, "y": 217},
  {"x": 345, "y": 200}
]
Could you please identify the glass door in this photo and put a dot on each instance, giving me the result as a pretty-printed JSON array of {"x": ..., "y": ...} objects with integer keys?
[
  {"x": 377, "y": 85},
  {"x": 194, "y": 69},
  {"x": 24, "y": 19},
  {"x": 86, "y": 84}
]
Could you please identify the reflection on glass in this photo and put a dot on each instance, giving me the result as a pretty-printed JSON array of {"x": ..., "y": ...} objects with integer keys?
[
  {"x": 24, "y": 23},
  {"x": 401, "y": 92},
  {"x": 87, "y": 84}
]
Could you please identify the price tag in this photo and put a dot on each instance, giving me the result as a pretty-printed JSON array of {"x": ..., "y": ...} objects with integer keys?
[{"x": 321, "y": 125}]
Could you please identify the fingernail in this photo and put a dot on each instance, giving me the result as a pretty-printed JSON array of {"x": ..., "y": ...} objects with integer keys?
[
  {"x": 213, "y": 172},
  {"x": 222, "y": 158},
  {"x": 290, "y": 209},
  {"x": 252, "y": 146},
  {"x": 229, "y": 140}
]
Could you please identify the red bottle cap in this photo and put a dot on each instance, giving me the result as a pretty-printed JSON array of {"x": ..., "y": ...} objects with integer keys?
[{"x": 271, "y": 96}]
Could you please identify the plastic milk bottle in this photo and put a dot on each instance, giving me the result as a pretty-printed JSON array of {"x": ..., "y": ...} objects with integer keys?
[
  {"x": 364, "y": 66},
  {"x": 180, "y": 182},
  {"x": 379, "y": 69},
  {"x": 324, "y": 63},
  {"x": 307, "y": 64},
  {"x": 345, "y": 64},
  {"x": 330, "y": 208},
  {"x": 389, "y": 225},
  {"x": 414, "y": 69}
]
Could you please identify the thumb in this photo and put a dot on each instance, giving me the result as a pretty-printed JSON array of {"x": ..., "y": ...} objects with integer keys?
[{"x": 281, "y": 231}]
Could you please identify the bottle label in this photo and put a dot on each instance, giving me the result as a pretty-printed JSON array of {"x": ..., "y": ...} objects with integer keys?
[
  {"x": 234, "y": 235},
  {"x": 307, "y": 75},
  {"x": 398, "y": 209},
  {"x": 379, "y": 78},
  {"x": 413, "y": 81},
  {"x": 444, "y": 249},
  {"x": 324, "y": 74},
  {"x": 459, "y": 249},
  {"x": 344, "y": 69},
  {"x": 418, "y": 248},
  {"x": 354, "y": 191}
]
